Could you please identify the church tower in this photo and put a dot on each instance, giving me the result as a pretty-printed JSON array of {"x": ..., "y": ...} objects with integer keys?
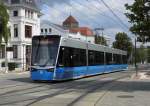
[{"x": 70, "y": 23}]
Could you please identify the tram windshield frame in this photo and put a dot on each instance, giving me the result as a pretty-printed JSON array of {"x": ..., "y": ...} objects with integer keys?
[{"x": 45, "y": 50}]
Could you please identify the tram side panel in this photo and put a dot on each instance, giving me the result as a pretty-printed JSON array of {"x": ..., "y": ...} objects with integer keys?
[{"x": 71, "y": 63}]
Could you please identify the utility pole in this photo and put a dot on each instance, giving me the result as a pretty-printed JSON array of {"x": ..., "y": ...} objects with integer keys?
[
  {"x": 135, "y": 51},
  {"x": 102, "y": 33}
]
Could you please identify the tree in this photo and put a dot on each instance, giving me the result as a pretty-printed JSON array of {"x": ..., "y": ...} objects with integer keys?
[
  {"x": 4, "y": 18},
  {"x": 123, "y": 42},
  {"x": 139, "y": 16},
  {"x": 141, "y": 54},
  {"x": 100, "y": 40},
  {"x": 4, "y": 30},
  {"x": 148, "y": 55}
]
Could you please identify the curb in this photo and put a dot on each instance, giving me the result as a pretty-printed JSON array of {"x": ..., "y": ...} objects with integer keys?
[{"x": 15, "y": 72}]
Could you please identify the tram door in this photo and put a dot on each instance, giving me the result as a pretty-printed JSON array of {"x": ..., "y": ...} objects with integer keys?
[{"x": 28, "y": 56}]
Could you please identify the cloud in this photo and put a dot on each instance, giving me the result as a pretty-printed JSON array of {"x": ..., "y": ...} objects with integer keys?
[
  {"x": 52, "y": 2},
  {"x": 89, "y": 13}
]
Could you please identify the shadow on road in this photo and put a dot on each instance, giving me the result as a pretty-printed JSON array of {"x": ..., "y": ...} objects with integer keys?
[{"x": 83, "y": 86}]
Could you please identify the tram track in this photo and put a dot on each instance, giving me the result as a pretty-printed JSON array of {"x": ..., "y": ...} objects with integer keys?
[
  {"x": 84, "y": 86},
  {"x": 76, "y": 88},
  {"x": 95, "y": 88}
]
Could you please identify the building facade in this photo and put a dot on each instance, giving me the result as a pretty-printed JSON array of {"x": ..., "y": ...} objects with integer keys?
[
  {"x": 82, "y": 33},
  {"x": 49, "y": 28},
  {"x": 24, "y": 23}
]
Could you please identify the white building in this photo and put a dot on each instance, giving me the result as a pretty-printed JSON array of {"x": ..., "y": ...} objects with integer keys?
[
  {"x": 24, "y": 23},
  {"x": 49, "y": 28}
]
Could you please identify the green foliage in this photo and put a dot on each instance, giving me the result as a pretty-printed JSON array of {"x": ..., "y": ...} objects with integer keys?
[
  {"x": 148, "y": 55},
  {"x": 4, "y": 18},
  {"x": 100, "y": 40},
  {"x": 12, "y": 66},
  {"x": 123, "y": 42},
  {"x": 141, "y": 54},
  {"x": 139, "y": 16}
]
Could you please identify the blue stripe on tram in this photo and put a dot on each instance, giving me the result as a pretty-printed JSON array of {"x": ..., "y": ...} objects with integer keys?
[
  {"x": 41, "y": 75},
  {"x": 77, "y": 72}
]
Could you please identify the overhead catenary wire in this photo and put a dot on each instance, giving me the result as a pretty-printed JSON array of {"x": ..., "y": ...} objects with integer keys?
[
  {"x": 89, "y": 18},
  {"x": 66, "y": 13},
  {"x": 121, "y": 24},
  {"x": 115, "y": 15},
  {"x": 83, "y": 13},
  {"x": 106, "y": 16}
]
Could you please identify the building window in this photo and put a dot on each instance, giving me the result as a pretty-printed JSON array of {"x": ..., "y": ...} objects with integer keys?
[
  {"x": 15, "y": 30},
  {"x": 28, "y": 31},
  {"x": 29, "y": 1},
  {"x": 31, "y": 14},
  {"x": 26, "y": 13},
  {"x": 28, "y": 55},
  {"x": 15, "y": 13},
  {"x": 46, "y": 31},
  {"x": 50, "y": 30},
  {"x": 2, "y": 52},
  {"x": 15, "y": 51},
  {"x": 41, "y": 30},
  {"x": 15, "y": 1}
]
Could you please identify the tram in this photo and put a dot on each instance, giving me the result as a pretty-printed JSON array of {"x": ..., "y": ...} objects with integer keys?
[{"x": 59, "y": 58}]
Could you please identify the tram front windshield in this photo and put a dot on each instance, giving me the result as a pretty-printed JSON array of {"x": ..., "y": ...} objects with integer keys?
[{"x": 44, "y": 51}]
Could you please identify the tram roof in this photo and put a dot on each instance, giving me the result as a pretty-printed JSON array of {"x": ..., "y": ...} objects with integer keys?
[{"x": 76, "y": 43}]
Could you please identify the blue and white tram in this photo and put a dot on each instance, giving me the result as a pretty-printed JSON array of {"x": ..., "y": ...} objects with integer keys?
[{"x": 59, "y": 58}]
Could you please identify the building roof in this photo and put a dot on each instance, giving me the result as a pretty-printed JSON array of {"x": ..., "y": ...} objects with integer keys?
[
  {"x": 70, "y": 20},
  {"x": 31, "y": 4},
  {"x": 82, "y": 30},
  {"x": 56, "y": 26}
]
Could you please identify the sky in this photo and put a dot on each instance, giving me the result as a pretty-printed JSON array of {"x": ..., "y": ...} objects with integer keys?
[{"x": 90, "y": 13}]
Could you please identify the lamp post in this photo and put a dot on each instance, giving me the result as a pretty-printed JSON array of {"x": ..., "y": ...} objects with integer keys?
[{"x": 135, "y": 64}]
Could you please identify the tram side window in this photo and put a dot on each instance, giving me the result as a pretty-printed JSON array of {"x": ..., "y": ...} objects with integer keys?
[
  {"x": 109, "y": 58},
  {"x": 69, "y": 57},
  {"x": 119, "y": 59},
  {"x": 91, "y": 60},
  {"x": 75, "y": 57},
  {"x": 82, "y": 57},
  {"x": 64, "y": 58},
  {"x": 99, "y": 58},
  {"x": 115, "y": 60},
  {"x": 78, "y": 57},
  {"x": 124, "y": 59}
]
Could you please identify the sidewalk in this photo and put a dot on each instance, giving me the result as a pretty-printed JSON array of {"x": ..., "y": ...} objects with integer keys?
[
  {"x": 2, "y": 72},
  {"x": 127, "y": 92}
]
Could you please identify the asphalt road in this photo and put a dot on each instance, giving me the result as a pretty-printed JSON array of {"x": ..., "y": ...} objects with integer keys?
[{"x": 19, "y": 90}]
